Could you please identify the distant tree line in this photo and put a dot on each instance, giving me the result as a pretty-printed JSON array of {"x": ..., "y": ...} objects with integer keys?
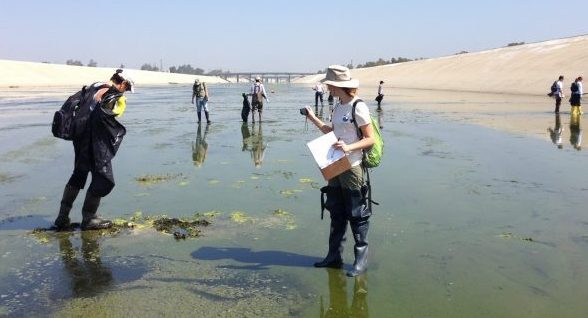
[
  {"x": 379, "y": 62},
  {"x": 149, "y": 67},
  {"x": 508, "y": 45},
  {"x": 91, "y": 63},
  {"x": 188, "y": 69}
]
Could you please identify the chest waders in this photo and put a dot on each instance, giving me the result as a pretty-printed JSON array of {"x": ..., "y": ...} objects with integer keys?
[{"x": 351, "y": 206}]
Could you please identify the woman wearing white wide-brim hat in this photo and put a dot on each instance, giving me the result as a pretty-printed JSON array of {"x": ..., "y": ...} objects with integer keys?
[{"x": 347, "y": 192}]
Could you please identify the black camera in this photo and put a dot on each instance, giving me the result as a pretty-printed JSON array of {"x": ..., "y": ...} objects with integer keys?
[{"x": 303, "y": 111}]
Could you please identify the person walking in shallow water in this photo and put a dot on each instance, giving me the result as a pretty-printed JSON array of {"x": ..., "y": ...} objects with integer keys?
[
  {"x": 557, "y": 91},
  {"x": 200, "y": 97},
  {"x": 380, "y": 96},
  {"x": 94, "y": 150},
  {"x": 576, "y": 97},
  {"x": 319, "y": 92},
  {"x": 347, "y": 192},
  {"x": 257, "y": 96}
]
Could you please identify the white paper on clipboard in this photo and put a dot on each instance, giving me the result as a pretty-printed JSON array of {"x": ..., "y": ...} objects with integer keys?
[{"x": 323, "y": 151}]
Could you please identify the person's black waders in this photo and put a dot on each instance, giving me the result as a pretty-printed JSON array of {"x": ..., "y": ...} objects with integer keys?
[{"x": 353, "y": 206}]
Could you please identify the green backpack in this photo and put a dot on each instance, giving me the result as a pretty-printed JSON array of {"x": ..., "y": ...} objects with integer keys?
[{"x": 372, "y": 156}]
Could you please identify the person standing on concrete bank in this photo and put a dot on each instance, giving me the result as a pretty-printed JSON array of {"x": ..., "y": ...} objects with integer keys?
[
  {"x": 200, "y": 97},
  {"x": 380, "y": 96},
  {"x": 94, "y": 149},
  {"x": 257, "y": 95},
  {"x": 347, "y": 199},
  {"x": 319, "y": 91},
  {"x": 576, "y": 97}
]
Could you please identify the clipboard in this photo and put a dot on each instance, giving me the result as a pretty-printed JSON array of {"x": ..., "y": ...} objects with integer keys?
[{"x": 332, "y": 162}]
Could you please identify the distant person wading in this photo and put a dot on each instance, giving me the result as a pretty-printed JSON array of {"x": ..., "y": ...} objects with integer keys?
[
  {"x": 257, "y": 94},
  {"x": 319, "y": 92},
  {"x": 380, "y": 95},
  {"x": 557, "y": 92},
  {"x": 200, "y": 97},
  {"x": 576, "y": 96}
]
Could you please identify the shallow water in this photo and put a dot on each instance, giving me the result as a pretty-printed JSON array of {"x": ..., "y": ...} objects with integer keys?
[{"x": 472, "y": 221}]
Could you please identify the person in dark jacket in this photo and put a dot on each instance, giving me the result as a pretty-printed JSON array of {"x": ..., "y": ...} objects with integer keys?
[{"x": 94, "y": 150}]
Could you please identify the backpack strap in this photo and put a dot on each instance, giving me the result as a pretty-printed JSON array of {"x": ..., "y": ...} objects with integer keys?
[
  {"x": 365, "y": 169},
  {"x": 359, "y": 133}
]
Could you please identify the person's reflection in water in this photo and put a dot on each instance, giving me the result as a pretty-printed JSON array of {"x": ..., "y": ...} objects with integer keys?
[
  {"x": 200, "y": 146},
  {"x": 88, "y": 275},
  {"x": 555, "y": 133},
  {"x": 380, "y": 118},
  {"x": 246, "y": 137},
  {"x": 321, "y": 113},
  {"x": 257, "y": 145},
  {"x": 576, "y": 131},
  {"x": 338, "y": 305}
]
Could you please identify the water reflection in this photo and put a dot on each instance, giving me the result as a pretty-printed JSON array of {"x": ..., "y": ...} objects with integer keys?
[
  {"x": 555, "y": 132},
  {"x": 320, "y": 112},
  {"x": 253, "y": 141},
  {"x": 380, "y": 118},
  {"x": 338, "y": 305},
  {"x": 200, "y": 146},
  {"x": 576, "y": 131},
  {"x": 88, "y": 276}
]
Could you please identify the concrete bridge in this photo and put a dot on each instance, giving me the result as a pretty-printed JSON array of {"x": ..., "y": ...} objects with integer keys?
[{"x": 275, "y": 77}]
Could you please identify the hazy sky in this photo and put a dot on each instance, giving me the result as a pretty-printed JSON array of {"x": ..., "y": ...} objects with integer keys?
[{"x": 276, "y": 35}]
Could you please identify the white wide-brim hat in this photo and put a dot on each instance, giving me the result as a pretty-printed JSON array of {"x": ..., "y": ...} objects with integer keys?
[{"x": 340, "y": 76}]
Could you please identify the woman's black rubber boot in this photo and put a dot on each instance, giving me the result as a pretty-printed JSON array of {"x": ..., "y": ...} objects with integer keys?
[
  {"x": 91, "y": 220},
  {"x": 336, "y": 207},
  {"x": 62, "y": 222},
  {"x": 360, "y": 249}
]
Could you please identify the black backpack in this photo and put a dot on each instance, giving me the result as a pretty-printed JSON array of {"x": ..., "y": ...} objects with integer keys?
[
  {"x": 574, "y": 87},
  {"x": 69, "y": 122},
  {"x": 554, "y": 87}
]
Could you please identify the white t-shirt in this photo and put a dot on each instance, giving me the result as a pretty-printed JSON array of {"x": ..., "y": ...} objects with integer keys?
[
  {"x": 559, "y": 92},
  {"x": 319, "y": 88},
  {"x": 344, "y": 128}
]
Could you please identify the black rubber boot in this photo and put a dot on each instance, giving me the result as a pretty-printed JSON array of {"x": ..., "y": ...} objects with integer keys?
[
  {"x": 207, "y": 117},
  {"x": 199, "y": 117},
  {"x": 62, "y": 222},
  {"x": 360, "y": 230},
  {"x": 337, "y": 238},
  {"x": 91, "y": 220}
]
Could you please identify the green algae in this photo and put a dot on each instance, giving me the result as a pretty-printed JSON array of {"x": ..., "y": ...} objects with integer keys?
[
  {"x": 7, "y": 178},
  {"x": 509, "y": 235},
  {"x": 281, "y": 212},
  {"x": 240, "y": 217},
  {"x": 148, "y": 179},
  {"x": 288, "y": 193},
  {"x": 210, "y": 214},
  {"x": 187, "y": 227}
]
